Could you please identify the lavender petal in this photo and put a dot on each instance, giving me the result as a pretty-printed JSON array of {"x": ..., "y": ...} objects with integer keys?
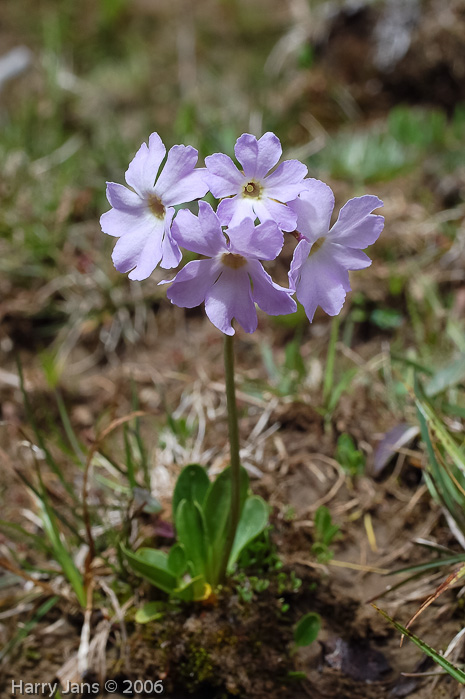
[
  {"x": 143, "y": 169},
  {"x": 356, "y": 226},
  {"x": 258, "y": 157}
]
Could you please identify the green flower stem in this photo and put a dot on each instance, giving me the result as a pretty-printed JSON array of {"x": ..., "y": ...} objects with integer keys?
[{"x": 233, "y": 427}]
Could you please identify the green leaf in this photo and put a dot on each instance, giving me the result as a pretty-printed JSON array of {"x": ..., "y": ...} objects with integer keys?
[
  {"x": 454, "y": 671},
  {"x": 386, "y": 318},
  {"x": 444, "y": 481},
  {"x": 192, "y": 485},
  {"x": 177, "y": 560},
  {"x": 150, "y": 611},
  {"x": 217, "y": 511},
  {"x": 307, "y": 629},
  {"x": 269, "y": 363},
  {"x": 446, "y": 377},
  {"x": 296, "y": 676},
  {"x": 456, "y": 454},
  {"x": 325, "y": 530},
  {"x": 218, "y": 503},
  {"x": 340, "y": 388},
  {"x": 152, "y": 565},
  {"x": 254, "y": 518},
  {"x": 194, "y": 590},
  {"x": 190, "y": 527}
]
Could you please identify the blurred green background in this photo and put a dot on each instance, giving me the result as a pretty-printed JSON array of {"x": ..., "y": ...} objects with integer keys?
[{"x": 369, "y": 95}]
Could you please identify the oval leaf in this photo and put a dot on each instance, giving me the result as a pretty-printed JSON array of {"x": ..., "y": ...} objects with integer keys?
[
  {"x": 153, "y": 566},
  {"x": 307, "y": 629},
  {"x": 191, "y": 533},
  {"x": 177, "y": 560},
  {"x": 192, "y": 485},
  {"x": 254, "y": 518},
  {"x": 217, "y": 508},
  {"x": 149, "y": 612}
]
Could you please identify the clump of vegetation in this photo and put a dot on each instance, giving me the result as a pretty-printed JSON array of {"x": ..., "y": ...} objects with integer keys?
[{"x": 325, "y": 532}]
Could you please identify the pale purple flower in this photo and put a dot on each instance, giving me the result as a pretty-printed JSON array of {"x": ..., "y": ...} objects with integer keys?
[
  {"x": 142, "y": 218},
  {"x": 254, "y": 193},
  {"x": 232, "y": 280},
  {"x": 322, "y": 258}
]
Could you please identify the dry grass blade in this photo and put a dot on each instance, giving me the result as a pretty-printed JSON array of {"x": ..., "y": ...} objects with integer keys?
[
  {"x": 120, "y": 616},
  {"x": 8, "y": 565},
  {"x": 445, "y": 585}
]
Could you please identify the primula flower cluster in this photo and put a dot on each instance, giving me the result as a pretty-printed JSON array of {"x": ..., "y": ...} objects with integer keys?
[{"x": 230, "y": 279}]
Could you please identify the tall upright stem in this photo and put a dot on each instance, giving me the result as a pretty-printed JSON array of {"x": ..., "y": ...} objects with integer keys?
[{"x": 233, "y": 427}]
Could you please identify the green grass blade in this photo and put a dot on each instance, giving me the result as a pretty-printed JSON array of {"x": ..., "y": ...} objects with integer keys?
[
  {"x": 441, "y": 432},
  {"x": 40, "y": 440},
  {"x": 421, "y": 368},
  {"x": 61, "y": 554},
  {"x": 144, "y": 461},
  {"x": 439, "y": 482},
  {"x": 73, "y": 440},
  {"x": 445, "y": 477},
  {"x": 25, "y": 630},
  {"x": 453, "y": 409},
  {"x": 38, "y": 495},
  {"x": 340, "y": 387},
  {"x": 430, "y": 565},
  {"x": 129, "y": 459},
  {"x": 454, "y": 671},
  {"x": 18, "y": 533}
]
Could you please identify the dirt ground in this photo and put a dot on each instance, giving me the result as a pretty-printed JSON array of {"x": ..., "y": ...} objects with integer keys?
[{"x": 292, "y": 464}]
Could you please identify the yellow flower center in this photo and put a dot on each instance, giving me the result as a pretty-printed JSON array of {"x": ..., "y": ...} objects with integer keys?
[
  {"x": 252, "y": 189},
  {"x": 156, "y": 206},
  {"x": 317, "y": 245},
  {"x": 232, "y": 260}
]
